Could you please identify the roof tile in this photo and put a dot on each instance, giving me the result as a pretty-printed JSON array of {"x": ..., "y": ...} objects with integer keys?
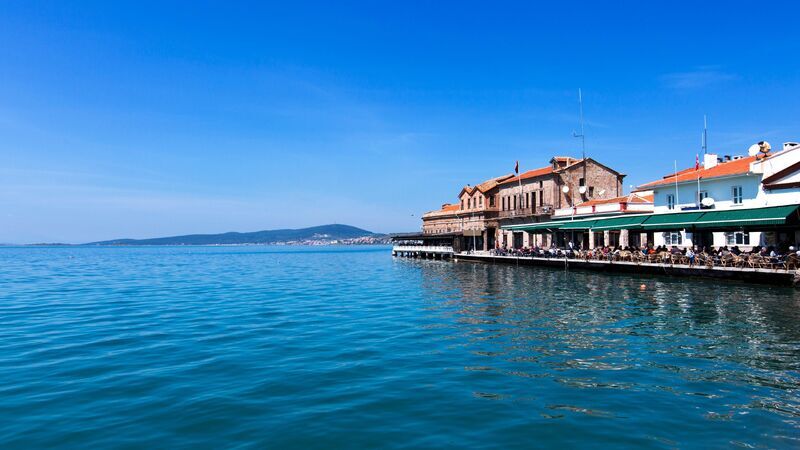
[{"x": 735, "y": 167}]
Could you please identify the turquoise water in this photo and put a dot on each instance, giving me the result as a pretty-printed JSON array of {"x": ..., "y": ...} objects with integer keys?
[{"x": 349, "y": 348}]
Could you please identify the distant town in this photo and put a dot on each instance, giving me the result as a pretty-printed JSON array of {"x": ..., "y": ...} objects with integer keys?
[{"x": 364, "y": 240}]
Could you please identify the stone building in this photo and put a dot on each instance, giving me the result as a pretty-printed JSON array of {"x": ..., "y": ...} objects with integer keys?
[
  {"x": 473, "y": 220},
  {"x": 535, "y": 195},
  {"x": 532, "y": 196}
]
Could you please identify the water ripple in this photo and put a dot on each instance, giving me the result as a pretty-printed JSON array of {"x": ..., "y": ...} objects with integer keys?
[{"x": 346, "y": 347}]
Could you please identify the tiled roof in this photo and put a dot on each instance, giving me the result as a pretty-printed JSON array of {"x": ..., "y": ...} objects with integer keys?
[
  {"x": 632, "y": 198},
  {"x": 485, "y": 186},
  {"x": 489, "y": 184},
  {"x": 649, "y": 198},
  {"x": 446, "y": 208},
  {"x": 734, "y": 167},
  {"x": 451, "y": 207},
  {"x": 530, "y": 174}
]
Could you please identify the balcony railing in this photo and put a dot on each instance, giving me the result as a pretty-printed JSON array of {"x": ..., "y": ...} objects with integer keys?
[{"x": 526, "y": 212}]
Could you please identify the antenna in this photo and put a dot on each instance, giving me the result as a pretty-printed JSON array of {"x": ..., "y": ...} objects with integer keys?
[
  {"x": 582, "y": 135},
  {"x": 705, "y": 134}
]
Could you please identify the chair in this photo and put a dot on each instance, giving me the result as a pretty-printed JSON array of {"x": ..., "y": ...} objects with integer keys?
[
  {"x": 755, "y": 261},
  {"x": 680, "y": 259}
]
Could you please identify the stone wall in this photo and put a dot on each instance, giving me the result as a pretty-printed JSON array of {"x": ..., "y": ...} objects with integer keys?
[{"x": 601, "y": 183}]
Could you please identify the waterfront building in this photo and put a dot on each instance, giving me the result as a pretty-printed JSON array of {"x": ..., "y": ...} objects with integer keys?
[
  {"x": 534, "y": 196},
  {"x": 743, "y": 201},
  {"x": 728, "y": 183},
  {"x": 733, "y": 201},
  {"x": 634, "y": 203},
  {"x": 472, "y": 222}
]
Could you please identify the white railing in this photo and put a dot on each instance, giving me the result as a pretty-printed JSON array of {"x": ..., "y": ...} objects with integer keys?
[{"x": 423, "y": 248}]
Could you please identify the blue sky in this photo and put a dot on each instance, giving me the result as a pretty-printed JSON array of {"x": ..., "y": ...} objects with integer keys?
[{"x": 149, "y": 119}]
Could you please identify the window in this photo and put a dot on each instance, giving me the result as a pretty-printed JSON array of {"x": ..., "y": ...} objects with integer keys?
[
  {"x": 670, "y": 201},
  {"x": 515, "y": 202},
  {"x": 591, "y": 191},
  {"x": 737, "y": 238},
  {"x": 673, "y": 238},
  {"x": 491, "y": 201},
  {"x": 462, "y": 204},
  {"x": 533, "y": 198},
  {"x": 737, "y": 195},
  {"x": 581, "y": 182},
  {"x": 481, "y": 199},
  {"x": 528, "y": 199}
]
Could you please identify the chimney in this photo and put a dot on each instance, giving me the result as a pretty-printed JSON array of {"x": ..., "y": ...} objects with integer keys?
[
  {"x": 709, "y": 160},
  {"x": 727, "y": 158}
]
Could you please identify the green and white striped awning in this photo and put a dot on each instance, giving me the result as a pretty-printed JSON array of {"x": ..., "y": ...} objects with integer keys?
[
  {"x": 574, "y": 225},
  {"x": 776, "y": 215},
  {"x": 620, "y": 223},
  {"x": 540, "y": 226},
  {"x": 702, "y": 219},
  {"x": 672, "y": 221}
]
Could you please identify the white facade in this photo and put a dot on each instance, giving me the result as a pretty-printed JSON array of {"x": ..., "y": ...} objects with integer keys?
[
  {"x": 668, "y": 199},
  {"x": 744, "y": 190}
]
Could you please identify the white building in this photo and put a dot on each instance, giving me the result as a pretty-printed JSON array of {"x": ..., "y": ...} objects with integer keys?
[{"x": 729, "y": 183}]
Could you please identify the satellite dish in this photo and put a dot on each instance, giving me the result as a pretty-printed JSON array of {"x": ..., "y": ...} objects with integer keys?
[
  {"x": 582, "y": 189},
  {"x": 708, "y": 201},
  {"x": 764, "y": 147},
  {"x": 754, "y": 150},
  {"x": 565, "y": 189}
]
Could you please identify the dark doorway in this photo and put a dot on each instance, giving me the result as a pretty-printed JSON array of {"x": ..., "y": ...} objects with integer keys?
[
  {"x": 599, "y": 239},
  {"x": 517, "y": 240},
  {"x": 634, "y": 239},
  {"x": 703, "y": 239}
]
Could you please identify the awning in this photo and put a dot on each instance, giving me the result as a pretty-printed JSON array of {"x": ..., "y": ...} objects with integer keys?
[
  {"x": 734, "y": 218},
  {"x": 577, "y": 225},
  {"x": 673, "y": 221},
  {"x": 620, "y": 223},
  {"x": 541, "y": 226}
]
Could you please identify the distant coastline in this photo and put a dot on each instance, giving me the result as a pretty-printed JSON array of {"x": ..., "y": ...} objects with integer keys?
[
  {"x": 333, "y": 234},
  {"x": 379, "y": 241}
]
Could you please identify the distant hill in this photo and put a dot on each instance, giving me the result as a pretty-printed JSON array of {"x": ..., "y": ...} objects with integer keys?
[{"x": 322, "y": 233}]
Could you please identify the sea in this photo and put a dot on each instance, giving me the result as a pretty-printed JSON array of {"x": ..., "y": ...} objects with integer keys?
[{"x": 348, "y": 347}]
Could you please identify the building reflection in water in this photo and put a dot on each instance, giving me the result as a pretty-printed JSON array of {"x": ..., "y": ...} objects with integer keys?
[{"x": 552, "y": 334}]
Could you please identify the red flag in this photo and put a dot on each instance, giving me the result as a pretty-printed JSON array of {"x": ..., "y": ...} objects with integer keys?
[
  {"x": 516, "y": 168},
  {"x": 697, "y": 162}
]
